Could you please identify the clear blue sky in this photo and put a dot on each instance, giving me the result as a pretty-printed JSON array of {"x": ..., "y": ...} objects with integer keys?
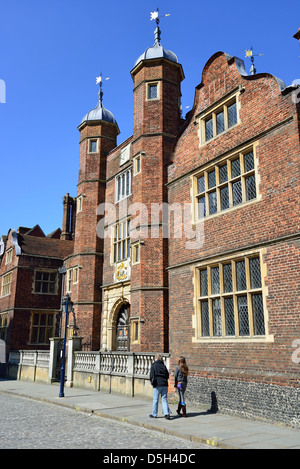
[{"x": 52, "y": 50}]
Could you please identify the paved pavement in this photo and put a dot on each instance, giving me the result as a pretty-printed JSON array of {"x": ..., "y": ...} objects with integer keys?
[{"x": 217, "y": 430}]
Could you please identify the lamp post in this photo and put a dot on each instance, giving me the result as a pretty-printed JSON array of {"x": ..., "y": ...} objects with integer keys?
[{"x": 66, "y": 308}]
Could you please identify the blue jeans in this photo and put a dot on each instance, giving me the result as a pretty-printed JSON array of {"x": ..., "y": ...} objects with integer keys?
[{"x": 163, "y": 391}]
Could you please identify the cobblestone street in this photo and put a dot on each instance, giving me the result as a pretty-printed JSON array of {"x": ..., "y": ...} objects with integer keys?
[{"x": 28, "y": 424}]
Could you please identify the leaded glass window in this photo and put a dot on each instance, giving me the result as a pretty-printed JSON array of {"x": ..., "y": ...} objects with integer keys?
[
  {"x": 219, "y": 120},
  {"x": 209, "y": 132},
  {"x": 231, "y": 299},
  {"x": 152, "y": 91},
  {"x": 226, "y": 185},
  {"x": 232, "y": 115}
]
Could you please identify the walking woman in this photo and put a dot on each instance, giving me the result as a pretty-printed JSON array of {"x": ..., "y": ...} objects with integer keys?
[{"x": 181, "y": 374}]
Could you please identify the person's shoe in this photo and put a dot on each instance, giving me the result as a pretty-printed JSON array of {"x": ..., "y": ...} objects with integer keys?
[
  {"x": 183, "y": 411},
  {"x": 167, "y": 417},
  {"x": 152, "y": 416}
]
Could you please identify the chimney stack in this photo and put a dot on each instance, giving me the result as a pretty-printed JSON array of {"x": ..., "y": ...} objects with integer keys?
[{"x": 68, "y": 227}]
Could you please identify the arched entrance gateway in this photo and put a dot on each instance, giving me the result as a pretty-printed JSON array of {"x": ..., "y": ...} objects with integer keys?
[{"x": 122, "y": 329}]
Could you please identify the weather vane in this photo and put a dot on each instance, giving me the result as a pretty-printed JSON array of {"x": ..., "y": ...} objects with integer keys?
[
  {"x": 249, "y": 53},
  {"x": 99, "y": 80},
  {"x": 155, "y": 16}
]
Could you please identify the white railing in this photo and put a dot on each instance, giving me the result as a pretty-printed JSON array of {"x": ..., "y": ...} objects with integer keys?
[
  {"x": 31, "y": 365},
  {"x": 85, "y": 361},
  {"x": 136, "y": 364},
  {"x": 37, "y": 358}
]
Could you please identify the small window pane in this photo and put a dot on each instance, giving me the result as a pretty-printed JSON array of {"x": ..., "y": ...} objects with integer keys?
[
  {"x": 128, "y": 247},
  {"x": 93, "y": 146},
  {"x": 215, "y": 282},
  {"x": 237, "y": 196},
  {"x": 203, "y": 283},
  {"x": 217, "y": 323},
  {"x": 127, "y": 183},
  {"x": 240, "y": 276},
  {"x": 204, "y": 319},
  {"x": 209, "y": 133},
  {"x": 224, "y": 198},
  {"x": 223, "y": 174},
  {"x": 123, "y": 184},
  {"x": 249, "y": 161},
  {"x": 235, "y": 168},
  {"x": 232, "y": 115},
  {"x": 119, "y": 188},
  {"x": 229, "y": 316},
  {"x": 212, "y": 179},
  {"x": 152, "y": 92},
  {"x": 250, "y": 187},
  {"x": 220, "y": 122},
  {"x": 258, "y": 315},
  {"x": 35, "y": 320},
  {"x": 212, "y": 199},
  {"x": 201, "y": 184},
  {"x": 243, "y": 315},
  {"x": 227, "y": 278},
  {"x": 43, "y": 319},
  {"x": 201, "y": 207},
  {"x": 255, "y": 276}
]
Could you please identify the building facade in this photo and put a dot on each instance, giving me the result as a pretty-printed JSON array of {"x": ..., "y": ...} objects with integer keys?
[{"x": 185, "y": 237}]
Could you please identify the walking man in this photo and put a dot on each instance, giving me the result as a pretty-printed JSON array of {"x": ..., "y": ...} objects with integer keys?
[{"x": 159, "y": 376}]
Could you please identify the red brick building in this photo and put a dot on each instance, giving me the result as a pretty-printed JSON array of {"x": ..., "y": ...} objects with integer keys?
[
  {"x": 185, "y": 237},
  {"x": 30, "y": 287}
]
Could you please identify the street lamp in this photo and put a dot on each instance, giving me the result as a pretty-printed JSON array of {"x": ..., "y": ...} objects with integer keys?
[{"x": 67, "y": 306}]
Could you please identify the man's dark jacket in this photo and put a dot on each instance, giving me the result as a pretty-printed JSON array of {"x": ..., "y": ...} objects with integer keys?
[{"x": 159, "y": 374}]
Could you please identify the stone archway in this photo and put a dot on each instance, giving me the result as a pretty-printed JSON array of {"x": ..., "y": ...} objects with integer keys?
[{"x": 118, "y": 337}]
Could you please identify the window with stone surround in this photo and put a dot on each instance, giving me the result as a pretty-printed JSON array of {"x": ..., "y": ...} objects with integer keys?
[
  {"x": 230, "y": 301},
  {"x": 42, "y": 327},
  {"x": 226, "y": 184},
  {"x": 121, "y": 241},
  {"x": 6, "y": 284},
  {"x": 3, "y": 325},
  {"x": 218, "y": 119},
  {"x": 93, "y": 145},
  {"x": 152, "y": 91},
  {"x": 123, "y": 185},
  {"x": 8, "y": 257},
  {"x": 45, "y": 282}
]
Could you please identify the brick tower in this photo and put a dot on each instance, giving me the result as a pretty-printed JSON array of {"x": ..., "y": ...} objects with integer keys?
[
  {"x": 157, "y": 76},
  {"x": 98, "y": 133}
]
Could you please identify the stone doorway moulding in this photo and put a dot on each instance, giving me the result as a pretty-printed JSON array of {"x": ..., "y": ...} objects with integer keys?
[{"x": 118, "y": 334}]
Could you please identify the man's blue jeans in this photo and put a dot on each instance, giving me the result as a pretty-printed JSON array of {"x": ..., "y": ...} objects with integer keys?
[{"x": 163, "y": 391}]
